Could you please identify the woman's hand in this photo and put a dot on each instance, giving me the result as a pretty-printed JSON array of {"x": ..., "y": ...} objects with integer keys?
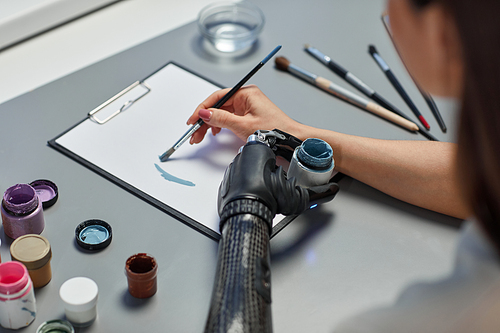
[
  {"x": 245, "y": 112},
  {"x": 391, "y": 166}
]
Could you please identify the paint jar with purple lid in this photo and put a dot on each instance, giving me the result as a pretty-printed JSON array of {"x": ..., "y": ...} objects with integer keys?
[
  {"x": 17, "y": 299},
  {"x": 141, "y": 270},
  {"x": 22, "y": 211}
]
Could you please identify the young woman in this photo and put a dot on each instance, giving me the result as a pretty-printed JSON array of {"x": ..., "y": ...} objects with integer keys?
[{"x": 452, "y": 48}]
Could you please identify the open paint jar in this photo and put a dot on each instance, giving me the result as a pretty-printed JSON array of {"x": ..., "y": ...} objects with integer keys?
[
  {"x": 23, "y": 204},
  {"x": 312, "y": 163},
  {"x": 17, "y": 299},
  {"x": 141, "y": 270},
  {"x": 56, "y": 326},
  {"x": 22, "y": 211}
]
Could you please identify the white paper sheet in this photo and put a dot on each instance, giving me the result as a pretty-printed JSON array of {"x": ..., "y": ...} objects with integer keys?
[{"x": 129, "y": 145}]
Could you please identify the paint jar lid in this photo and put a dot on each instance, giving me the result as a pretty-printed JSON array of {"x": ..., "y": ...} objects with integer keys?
[
  {"x": 47, "y": 191},
  {"x": 79, "y": 294},
  {"x": 32, "y": 250},
  {"x": 93, "y": 235},
  {"x": 56, "y": 325}
]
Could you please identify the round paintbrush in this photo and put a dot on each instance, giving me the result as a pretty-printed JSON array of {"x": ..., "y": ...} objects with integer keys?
[{"x": 284, "y": 64}]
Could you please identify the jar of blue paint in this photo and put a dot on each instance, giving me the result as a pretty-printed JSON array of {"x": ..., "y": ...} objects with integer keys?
[{"x": 312, "y": 163}]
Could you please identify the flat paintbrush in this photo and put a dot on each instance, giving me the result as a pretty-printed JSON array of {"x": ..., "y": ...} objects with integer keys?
[{"x": 284, "y": 64}]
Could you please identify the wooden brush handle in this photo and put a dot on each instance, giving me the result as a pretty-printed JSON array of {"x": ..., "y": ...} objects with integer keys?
[
  {"x": 380, "y": 111},
  {"x": 350, "y": 97}
]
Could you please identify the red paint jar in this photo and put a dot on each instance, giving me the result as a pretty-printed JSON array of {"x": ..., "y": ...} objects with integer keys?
[{"x": 141, "y": 270}]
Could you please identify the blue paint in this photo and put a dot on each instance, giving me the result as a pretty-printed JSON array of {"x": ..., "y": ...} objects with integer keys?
[
  {"x": 33, "y": 314},
  {"x": 315, "y": 153},
  {"x": 174, "y": 179},
  {"x": 94, "y": 234}
]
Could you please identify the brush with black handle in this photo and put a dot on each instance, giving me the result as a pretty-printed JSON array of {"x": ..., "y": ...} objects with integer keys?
[{"x": 284, "y": 64}]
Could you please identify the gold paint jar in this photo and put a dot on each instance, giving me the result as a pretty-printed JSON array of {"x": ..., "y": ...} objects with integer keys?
[{"x": 34, "y": 252}]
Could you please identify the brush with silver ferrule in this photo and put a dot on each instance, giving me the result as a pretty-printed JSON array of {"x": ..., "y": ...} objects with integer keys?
[
  {"x": 284, "y": 64},
  {"x": 361, "y": 86},
  {"x": 397, "y": 85},
  {"x": 218, "y": 105}
]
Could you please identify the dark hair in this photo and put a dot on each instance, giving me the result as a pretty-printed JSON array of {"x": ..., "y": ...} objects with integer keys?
[{"x": 479, "y": 129}]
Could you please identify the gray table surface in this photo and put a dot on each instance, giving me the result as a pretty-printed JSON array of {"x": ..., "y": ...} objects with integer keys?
[{"x": 354, "y": 253}]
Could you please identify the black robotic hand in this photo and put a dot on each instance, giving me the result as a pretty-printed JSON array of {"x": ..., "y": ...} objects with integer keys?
[
  {"x": 252, "y": 192},
  {"x": 253, "y": 177}
]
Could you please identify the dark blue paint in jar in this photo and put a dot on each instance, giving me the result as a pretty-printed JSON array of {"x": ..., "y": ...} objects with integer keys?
[{"x": 312, "y": 163}]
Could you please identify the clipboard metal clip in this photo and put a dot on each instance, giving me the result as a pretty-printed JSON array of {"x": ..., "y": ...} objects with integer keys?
[{"x": 145, "y": 89}]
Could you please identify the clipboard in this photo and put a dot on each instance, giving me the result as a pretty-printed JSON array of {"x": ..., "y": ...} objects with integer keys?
[{"x": 122, "y": 138}]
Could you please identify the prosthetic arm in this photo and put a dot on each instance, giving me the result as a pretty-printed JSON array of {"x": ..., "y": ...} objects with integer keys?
[{"x": 252, "y": 192}]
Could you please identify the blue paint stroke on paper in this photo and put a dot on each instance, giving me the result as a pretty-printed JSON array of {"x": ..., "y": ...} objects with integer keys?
[{"x": 174, "y": 179}]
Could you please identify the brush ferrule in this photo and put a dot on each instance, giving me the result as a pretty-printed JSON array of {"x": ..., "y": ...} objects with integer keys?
[
  {"x": 318, "y": 55},
  {"x": 303, "y": 74},
  {"x": 381, "y": 63},
  {"x": 187, "y": 135},
  {"x": 360, "y": 85}
]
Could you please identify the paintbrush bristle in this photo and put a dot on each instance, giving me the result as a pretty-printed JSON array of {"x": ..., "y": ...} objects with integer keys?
[
  {"x": 282, "y": 63},
  {"x": 167, "y": 154},
  {"x": 372, "y": 49},
  {"x": 306, "y": 46}
]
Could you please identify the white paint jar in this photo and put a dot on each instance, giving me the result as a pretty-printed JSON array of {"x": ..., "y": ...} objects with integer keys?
[{"x": 79, "y": 295}]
